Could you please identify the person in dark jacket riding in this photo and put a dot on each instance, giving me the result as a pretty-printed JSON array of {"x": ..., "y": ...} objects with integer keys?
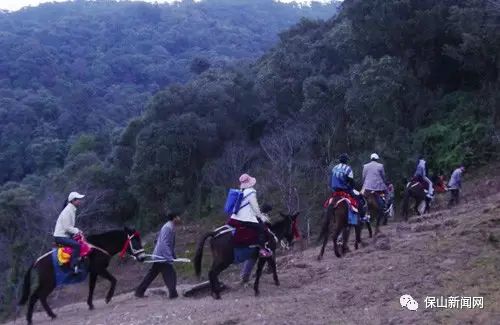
[{"x": 342, "y": 179}]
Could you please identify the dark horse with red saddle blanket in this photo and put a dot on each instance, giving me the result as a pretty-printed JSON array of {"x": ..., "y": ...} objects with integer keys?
[
  {"x": 337, "y": 210},
  {"x": 104, "y": 246},
  {"x": 223, "y": 246}
]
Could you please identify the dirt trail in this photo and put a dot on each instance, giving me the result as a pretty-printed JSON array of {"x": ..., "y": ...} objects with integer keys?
[{"x": 446, "y": 253}]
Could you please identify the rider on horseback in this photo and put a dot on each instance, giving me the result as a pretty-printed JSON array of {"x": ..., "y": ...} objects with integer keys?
[
  {"x": 374, "y": 175},
  {"x": 342, "y": 180},
  {"x": 249, "y": 214},
  {"x": 65, "y": 228},
  {"x": 421, "y": 174}
]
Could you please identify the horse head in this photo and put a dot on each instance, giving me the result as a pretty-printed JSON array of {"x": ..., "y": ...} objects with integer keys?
[
  {"x": 288, "y": 224},
  {"x": 133, "y": 245}
]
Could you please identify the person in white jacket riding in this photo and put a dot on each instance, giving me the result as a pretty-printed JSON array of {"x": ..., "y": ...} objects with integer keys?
[
  {"x": 249, "y": 213},
  {"x": 65, "y": 228}
]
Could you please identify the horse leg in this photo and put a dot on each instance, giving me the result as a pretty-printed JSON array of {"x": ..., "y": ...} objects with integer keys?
[
  {"x": 43, "y": 300},
  {"x": 272, "y": 264},
  {"x": 325, "y": 231},
  {"x": 92, "y": 281},
  {"x": 357, "y": 229},
  {"x": 31, "y": 305},
  {"x": 369, "y": 226},
  {"x": 345, "y": 239},
  {"x": 260, "y": 266},
  {"x": 322, "y": 251},
  {"x": 105, "y": 274},
  {"x": 336, "y": 234},
  {"x": 417, "y": 203},
  {"x": 213, "y": 276}
]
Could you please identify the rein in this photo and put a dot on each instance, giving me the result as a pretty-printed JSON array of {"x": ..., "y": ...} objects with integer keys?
[
  {"x": 128, "y": 243},
  {"x": 100, "y": 249}
]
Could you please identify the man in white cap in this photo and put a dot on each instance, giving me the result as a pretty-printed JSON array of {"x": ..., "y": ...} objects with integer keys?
[
  {"x": 65, "y": 228},
  {"x": 374, "y": 181},
  {"x": 374, "y": 175}
]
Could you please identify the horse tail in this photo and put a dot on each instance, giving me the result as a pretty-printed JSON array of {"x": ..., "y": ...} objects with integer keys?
[
  {"x": 199, "y": 252},
  {"x": 26, "y": 286},
  {"x": 326, "y": 225}
]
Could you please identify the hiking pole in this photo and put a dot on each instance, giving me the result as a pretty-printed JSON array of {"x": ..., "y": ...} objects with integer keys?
[{"x": 161, "y": 259}]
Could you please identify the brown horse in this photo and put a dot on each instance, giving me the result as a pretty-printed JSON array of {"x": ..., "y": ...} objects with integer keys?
[
  {"x": 375, "y": 208},
  {"x": 107, "y": 245},
  {"x": 416, "y": 191},
  {"x": 338, "y": 211},
  {"x": 223, "y": 255}
]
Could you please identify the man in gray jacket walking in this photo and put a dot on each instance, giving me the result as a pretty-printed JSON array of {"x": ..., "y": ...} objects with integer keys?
[
  {"x": 164, "y": 253},
  {"x": 455, "y": 185}
]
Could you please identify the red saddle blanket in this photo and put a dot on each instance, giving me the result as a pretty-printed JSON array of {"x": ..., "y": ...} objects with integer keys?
[
  {"x": 64, "y": 252},
  {"x": 243, "y": 236},
  {"x": 337, "y": 195}
]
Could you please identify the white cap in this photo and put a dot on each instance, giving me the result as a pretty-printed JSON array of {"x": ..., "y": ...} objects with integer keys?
[
  {"x": 75, "y": 195},
  {"x": 374, "y": 156}
]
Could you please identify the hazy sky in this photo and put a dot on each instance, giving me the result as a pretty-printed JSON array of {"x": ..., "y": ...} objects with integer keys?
[{"x": 17, "y": 4}]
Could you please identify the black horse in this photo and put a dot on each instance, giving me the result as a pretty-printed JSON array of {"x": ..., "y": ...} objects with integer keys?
[
  {"x": 283, "y": 229},
  {"x": 417, "y": 191},
  {"x": 105, "y": 246},
  {"x": 223, "y": 253}
]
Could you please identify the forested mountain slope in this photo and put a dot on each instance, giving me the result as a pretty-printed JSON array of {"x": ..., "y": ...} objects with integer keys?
[
  {"x": 401, "y": 78},
  {"x": 89, "y": 66}
]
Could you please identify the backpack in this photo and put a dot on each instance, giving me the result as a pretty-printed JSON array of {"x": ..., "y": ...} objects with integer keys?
[{"x": 233, "y": 201}]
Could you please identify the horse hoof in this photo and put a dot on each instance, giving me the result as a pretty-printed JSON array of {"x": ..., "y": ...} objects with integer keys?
[
  {"x": 277, "y": 283},
  {"x": 320, "y": 257},
  {"x": 53, "y": 316},
  {"x": 257, "y": 293},
  {"x": 108, "y": 300},
  {"x": 91, "y": 307}
]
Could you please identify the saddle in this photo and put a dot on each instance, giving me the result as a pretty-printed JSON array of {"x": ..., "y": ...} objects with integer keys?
[
  {"x": 337, "y": 196},
  {"x": 418, "y": 180},
  {"x": 352, "y": 203},
  {"x": 242, "y": 235},
  {"x": 64, "y": 252}
]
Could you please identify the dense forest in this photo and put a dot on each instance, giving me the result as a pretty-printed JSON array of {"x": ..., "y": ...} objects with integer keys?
[
  {"x": 71, "y": 77},
  {"x": 402, "y": 78},
  {"x": 87, "y": 67}
]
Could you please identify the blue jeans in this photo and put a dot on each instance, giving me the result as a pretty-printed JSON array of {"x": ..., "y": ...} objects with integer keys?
[{"x": 75, "y": 254}]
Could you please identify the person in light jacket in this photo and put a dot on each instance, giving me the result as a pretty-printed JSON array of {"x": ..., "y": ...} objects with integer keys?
[
  {"x": 455, "y": 184},
  {"x": 65, "y": 228},
  {"x": 374, "y": 175},
  {"x": 374, "y": 179},
  {"x": 421, "y": 172},
  {"x": 249, "y": 214},
  {"x": 164, "y": 254}
]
